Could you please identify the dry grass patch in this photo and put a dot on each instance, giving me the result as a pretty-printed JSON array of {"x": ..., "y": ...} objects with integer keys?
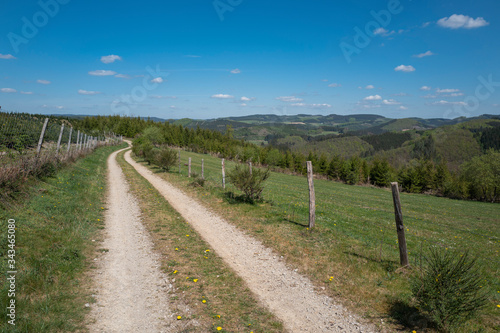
[{"x": 216, "y": 296}]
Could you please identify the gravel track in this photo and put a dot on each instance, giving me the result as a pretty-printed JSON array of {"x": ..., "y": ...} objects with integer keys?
[
  {"x": 131, "y": 289},
  {"x": 289, "y": 295}
]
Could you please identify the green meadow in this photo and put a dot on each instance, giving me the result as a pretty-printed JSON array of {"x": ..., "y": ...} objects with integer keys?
[{"x": 352, "y": 253}]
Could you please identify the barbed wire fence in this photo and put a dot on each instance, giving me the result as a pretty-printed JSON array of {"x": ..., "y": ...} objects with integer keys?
[
  {"x": 27, "y": 134},
  {"x": 36, "y": 146}
]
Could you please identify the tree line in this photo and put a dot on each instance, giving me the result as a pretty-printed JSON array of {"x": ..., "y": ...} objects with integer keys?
[{"x": 476, "y": 179}]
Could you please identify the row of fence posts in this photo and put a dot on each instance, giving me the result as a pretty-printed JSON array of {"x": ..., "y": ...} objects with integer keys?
[
  {"x": 83, "y": 141},
  {"x": 400, "y": 229}
]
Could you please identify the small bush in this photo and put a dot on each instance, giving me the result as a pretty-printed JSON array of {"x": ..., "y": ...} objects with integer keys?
[
  {"x": 165, "y": 158},
  {"x": 197, "y": 180},
  {"x": 448, "y": 289},
  {"x": 252, "y": 185}
]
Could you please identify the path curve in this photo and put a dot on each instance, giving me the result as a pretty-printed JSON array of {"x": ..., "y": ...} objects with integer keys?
[
  {"x": 289, "y": 295},
  {"x": 131, "y": 289}
]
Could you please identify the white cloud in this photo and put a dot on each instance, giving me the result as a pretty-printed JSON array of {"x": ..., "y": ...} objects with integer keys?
[
  {"x": 446, "y": 91},
  {"x": 192, "y": 56},
  {"x": 403, "y": 68},
  {"x": 7, "y": 56},
  {"x": 313, "y": 106},
  {"x": 373, "y": 98},
  {"x": 247, "y": 99},
  {"x": 390, "y": 102},
  {"x": 443, "y": 102},
  {"x": 236, "y": 71},
  {"x": 370, "y": 86},
  {"x": 426, "y": 24},
  {"x": 87, "y": 92},
  {"x": 122, "y": 76},
  {"x": 243, "y": 104},
  {"x": 403, "y": 107},
  {"x": 53, "y": 107},
  {"x": 400, "y": 94},
  {"x": 455, "y": 94},
  {"x": 371, "y": 106},
  {"x": 430, "y": 96},
  {"x": 8, "y": 90},
  {"x": 26, "y": 92},
  {"x": 43, "y": 81},
  {"x": 320, "y": 106},
  {"x": 383, "y": 32},
  {"x": 289, "y": 99},
  {"x": 222, "y": 96},
  {"x": 335, "y": 85},
  {"x": 425, "y": 54},
  {"x": 110, "y": 58},
  {"x": 425, "y": 88},
  {"x": 102, "y": 72},
  {"x": 462, "y": 21},
  {"x": 157, "y": 80}
]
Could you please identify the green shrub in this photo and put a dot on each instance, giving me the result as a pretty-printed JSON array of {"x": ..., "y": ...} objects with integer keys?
[
  {"x": 165, "y": 158},
  {"x": 197, "y": 180},
  {"x": 250, "y": 184},
  {"x": 448, "y": 289},
  {"x": 380, "y": 173}
]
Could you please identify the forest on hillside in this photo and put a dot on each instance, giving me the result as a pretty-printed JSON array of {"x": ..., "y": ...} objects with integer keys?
[{"x": 459, "y": 161}]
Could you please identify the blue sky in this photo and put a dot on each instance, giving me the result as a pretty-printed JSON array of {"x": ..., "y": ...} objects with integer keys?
[{"x": 207, "y": 59}]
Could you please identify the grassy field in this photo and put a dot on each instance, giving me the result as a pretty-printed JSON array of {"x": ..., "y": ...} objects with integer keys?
[
  {"x": 56, "y": 222},
  {"x": 216, "y": 296},
  {"x": 352, "y": 254}
]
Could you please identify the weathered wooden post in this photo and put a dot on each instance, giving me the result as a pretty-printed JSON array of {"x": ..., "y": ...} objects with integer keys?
[
  {"x": 223, "y": 174},
  {"x": 250, "y": 167},
  {"x": 312, "y": 196},
  {"x": 403, "y": 253},
  {"x": 60, "y": 137},
  {"x": 78, "y": 139},
  {"x": 189, "y": 167},
  {"x": 202, "y": 169},
  {"x": 42, "y": 134},
  {"x": 69, "y": 140}
]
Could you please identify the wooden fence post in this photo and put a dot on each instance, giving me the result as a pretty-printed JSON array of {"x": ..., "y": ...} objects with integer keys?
[
  {"x": 40, "y": 141},
  {"x": 77, "y": 140},
  {"x": 69, "y": 140},
  {"x": 250, "y": 167},
  {"x": 189, "y": 167},
  {"x": 400, "y": 228},
  {"x": 223, "y": 175},
  {"x": 312, "y": 196},
  {"x": 60, "y": 137},
  {"x": 202, "y": 169}
]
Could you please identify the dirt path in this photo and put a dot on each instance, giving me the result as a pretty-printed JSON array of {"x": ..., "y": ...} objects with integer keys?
[
  {"x": 131, "y": 290},
  {"x": 289, "y": 295}
]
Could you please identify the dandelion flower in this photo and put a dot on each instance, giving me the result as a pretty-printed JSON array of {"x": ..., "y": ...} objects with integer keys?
[
  {"x": 175, "y": 272},
  {"x": 187, "y": 235},
  {"x": 179, "y": 317},
  {"x": 195, "y": 280},
  {"x": 219, "y": 328},
  {"x": 204, "y": 301}
]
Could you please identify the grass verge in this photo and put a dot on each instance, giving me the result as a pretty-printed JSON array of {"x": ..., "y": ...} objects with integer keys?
[
  {"x": 55, "y": 224},
  {"x": 353, "y": 253},
  {"x": 216, "y": 296}
]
